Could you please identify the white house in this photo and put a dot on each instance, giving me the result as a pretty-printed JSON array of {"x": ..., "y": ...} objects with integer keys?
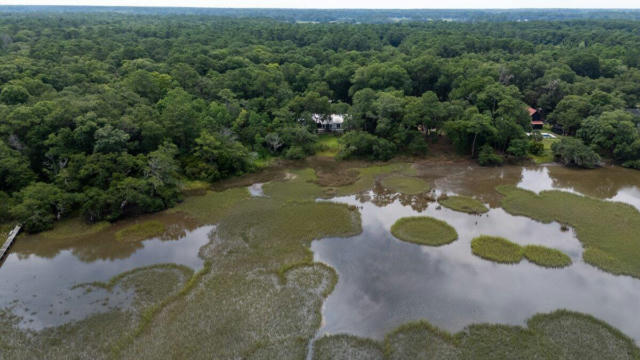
[{"x": 330, "y": 123}]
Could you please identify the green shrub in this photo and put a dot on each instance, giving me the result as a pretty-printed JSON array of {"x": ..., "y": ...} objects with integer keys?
[
  {"x": 518, "y": 148},
  {"x": 573, "y": 152},
  {"x": 417, "y": 146},
  {"x": 360, "y": 144},
  {"x": 536, "y": 147},
  {"x": 633, "y": 164},
  {"x": 4, "y": 207},
  {"x": 295, "y": 153},
  {"x": 488, "y": 157}
]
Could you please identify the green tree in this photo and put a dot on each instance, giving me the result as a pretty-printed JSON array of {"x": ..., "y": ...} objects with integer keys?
[
  {"x": 573, "y": 152},
  {"x": 14, "y": 94},
  {"x": 39, "y": 205}
]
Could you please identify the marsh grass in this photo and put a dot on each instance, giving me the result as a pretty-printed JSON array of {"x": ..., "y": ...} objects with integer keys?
[
  {"x": 424, "y": 231},
  {"x": 141, "y": 231},
  {"x": 96, "y": 336},
  {"x": 347, "y": 347},
  {"x": 195, "y": 187},
  {"x": 558, "y": 335},
  {"x": 463, "y": 204},
  {"x": 608, "y": 230},
  {"x": 368, "y": 175},
  {"x": 544, "y": 256},
  {"x": 406, "y": 184},
  {"x": 209, "y": 208},
  {"x": 496, "y": 249},
  {"x": 74, "y": 227},
  {"x": 262, "y": 294},
  {"x": 298, "y": 185}
]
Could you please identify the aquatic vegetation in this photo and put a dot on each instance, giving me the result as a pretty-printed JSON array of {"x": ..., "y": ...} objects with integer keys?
[
  {"x": 141, "y": 231},
  {"x": 463, "y": 204},
  {"x": 367, "y": 176},
  {"x": 546, "y": 257},
  {"x": 73, "y": 228},
  {"x": 504, "y": 251},
  {"x": 420, "y": 340},
  {"x": 558, "y": 335},
  {"x": 406, "y": 184},
  {"x": 97, "y": 336},
  {"x": 496, "y": 249},
  {"x": 424, "y": 230},
  {"x": 347, "y": 347},
  {"x": 608, "y": 230},
  {"x": 262, "y": 290},
  {"x": 194, "y": 187},
  {"x": 581, "y": 336},
  {"x": 209, "y": 208},
  {"x": 297, "y": 185}
]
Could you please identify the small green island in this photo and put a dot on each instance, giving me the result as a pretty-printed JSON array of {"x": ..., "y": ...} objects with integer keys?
[
  {"x": 424, "y": 231},
  {"x": 463, "y": 204},
  {"x": 501, "y": 250}
]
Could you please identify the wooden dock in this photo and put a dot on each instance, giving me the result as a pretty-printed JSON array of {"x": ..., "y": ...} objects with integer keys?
[{"x": 4, "y": 251}]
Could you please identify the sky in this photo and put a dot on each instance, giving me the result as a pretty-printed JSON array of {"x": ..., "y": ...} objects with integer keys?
[{"x": 348, "y": 4}]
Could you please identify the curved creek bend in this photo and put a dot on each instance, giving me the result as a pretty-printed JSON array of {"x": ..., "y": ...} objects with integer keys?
[{"x": 382, "y": 282}]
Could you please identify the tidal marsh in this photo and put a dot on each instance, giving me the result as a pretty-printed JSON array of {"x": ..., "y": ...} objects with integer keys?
[
  {"x": 264, "y": 277},
  {"x": 406, "y": 184},
  {"x": 608, "y": 230},
  {"x": 141, "y": 231},
  {"x": 424, "y": 231},
  {"x": 557, "y": 335}
]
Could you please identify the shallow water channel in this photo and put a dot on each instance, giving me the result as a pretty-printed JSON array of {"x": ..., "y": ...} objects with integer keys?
[{"x": 383, "y": 282}]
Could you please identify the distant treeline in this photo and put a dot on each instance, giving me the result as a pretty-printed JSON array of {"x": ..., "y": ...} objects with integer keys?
[{"x": 350, "y": 15}]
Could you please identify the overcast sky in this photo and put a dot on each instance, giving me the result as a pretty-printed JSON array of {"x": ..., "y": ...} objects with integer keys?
[{"x": 377, "y": 4}]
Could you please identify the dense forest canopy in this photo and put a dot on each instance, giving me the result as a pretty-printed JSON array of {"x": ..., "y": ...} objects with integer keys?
[{"x": 109, "y": 112}]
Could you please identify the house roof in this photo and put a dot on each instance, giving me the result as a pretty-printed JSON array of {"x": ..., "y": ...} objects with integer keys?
[
  {"x": 531, "y": 111},
  {"x": 331, "y": 119}
]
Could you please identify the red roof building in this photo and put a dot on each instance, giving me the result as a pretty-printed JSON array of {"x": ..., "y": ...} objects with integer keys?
[{"x": 536, "y": 118}]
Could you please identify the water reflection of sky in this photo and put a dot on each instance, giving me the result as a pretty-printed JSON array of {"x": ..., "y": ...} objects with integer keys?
[
  {"x": 540, "y": 178},
  {"x": 384, "y": 282},
  {"x": 39, "y": 289}
]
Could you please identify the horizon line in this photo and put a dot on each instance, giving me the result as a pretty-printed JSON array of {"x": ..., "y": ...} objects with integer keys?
[{"x": 305, "y": 8}]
